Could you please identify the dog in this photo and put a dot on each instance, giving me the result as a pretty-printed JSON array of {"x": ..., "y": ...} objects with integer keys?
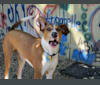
[{"x": 40, "y": 53}]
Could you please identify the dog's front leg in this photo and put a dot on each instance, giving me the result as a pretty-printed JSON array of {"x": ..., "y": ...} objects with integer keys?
[{"x": 50, "y": 72}]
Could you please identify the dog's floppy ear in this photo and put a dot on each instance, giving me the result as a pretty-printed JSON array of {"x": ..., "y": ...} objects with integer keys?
[
  {"x": 64, "y": 29},
  {"x": 42, "y": 23}
]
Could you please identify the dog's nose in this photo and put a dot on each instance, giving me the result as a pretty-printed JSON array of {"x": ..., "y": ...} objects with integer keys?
[{"x": 54, "y": 34}]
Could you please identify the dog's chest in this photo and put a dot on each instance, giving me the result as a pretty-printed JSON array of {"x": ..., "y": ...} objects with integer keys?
[{"x": 48, "y": 62}]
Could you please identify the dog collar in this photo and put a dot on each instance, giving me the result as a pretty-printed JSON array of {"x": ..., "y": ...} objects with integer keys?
[
  {"x": 48, "y": 56},
  {"x": 52, "y": 54}
]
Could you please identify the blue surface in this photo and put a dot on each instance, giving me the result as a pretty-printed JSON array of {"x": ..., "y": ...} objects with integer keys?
[{"x": 79, "y": 56}]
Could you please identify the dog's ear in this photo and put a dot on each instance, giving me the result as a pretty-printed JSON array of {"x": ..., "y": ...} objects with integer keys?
[
  {"x": 64, "y": 29},
  {"x": 42, "y": 23}
]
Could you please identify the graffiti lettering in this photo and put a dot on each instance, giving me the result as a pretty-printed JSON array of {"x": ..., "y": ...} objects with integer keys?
[
  {"x": 23, "y": 9},
  {"x": 13, "y": 14},
  {"x": 17, "y": 15},
  {"x": 87, "y": 35},
  {"x": 84, "y": 7},
  {"x": 11, "y": 11},
  {"x": 58, "y": 20}
]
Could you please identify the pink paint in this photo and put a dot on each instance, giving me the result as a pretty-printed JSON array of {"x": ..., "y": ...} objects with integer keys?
[
  {"x": 3, "y": 20},
  {"x": 90, "y": 5},
  {"x": 50, "y": 6}
]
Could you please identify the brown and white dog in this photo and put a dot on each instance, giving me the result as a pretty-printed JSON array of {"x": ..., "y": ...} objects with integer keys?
[{"x": 40, "y": 53}]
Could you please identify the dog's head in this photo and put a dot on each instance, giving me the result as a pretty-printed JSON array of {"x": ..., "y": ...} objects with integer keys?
[{"x": 52, "y": 33}]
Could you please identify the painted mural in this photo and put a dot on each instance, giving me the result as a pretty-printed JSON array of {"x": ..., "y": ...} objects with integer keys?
[{"x": 82, "y": 44}]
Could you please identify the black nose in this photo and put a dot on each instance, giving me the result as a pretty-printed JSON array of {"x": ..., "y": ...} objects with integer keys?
[{"x": 54, "y": 34}]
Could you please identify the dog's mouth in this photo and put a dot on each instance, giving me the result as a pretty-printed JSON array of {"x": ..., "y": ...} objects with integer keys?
[{"x": 53, "y": 43}]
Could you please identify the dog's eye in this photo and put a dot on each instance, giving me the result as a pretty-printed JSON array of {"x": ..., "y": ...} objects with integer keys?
[
  {"x": 48, "y": 29},
  {"x": 58, "y": 29}
]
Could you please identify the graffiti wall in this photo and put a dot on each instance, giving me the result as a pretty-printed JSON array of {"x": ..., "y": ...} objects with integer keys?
[{"x": 82, "y": 44}]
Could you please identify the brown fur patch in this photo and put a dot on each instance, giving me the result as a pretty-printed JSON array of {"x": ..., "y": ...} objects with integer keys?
[
  {"x": 64, "y": 29},
  {"x": 25, "y": 45}
]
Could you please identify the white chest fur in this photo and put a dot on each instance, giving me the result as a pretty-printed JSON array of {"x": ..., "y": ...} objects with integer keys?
[{"x": 49, "y": 65}]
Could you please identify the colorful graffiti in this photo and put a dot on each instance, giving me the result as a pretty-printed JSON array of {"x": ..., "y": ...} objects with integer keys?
[
  {"x": 86, "y": 17},
  {"x": 58, "y": 20},
  {"x": 91, "y": 20},
  {"x": 54, "y": 7},
  {"x": 63, "y": 47},
  {"x": 13, "y": 14},
  {"x": 84, "y": 26},
  {"x": 85, "y": 56},
  {"x": 87, "y": 30}
]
